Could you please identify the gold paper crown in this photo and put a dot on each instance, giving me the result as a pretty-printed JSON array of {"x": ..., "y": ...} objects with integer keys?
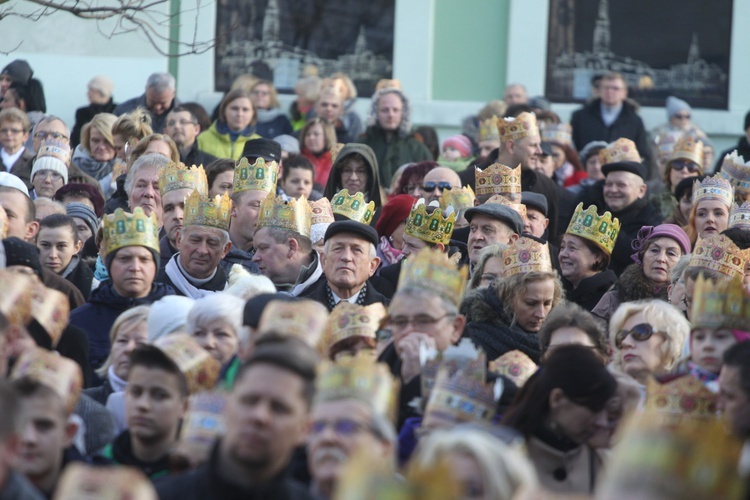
[
  {"x": 360, "y": 378},
  {"x": 349, "y": 320},
  {"x": 719, "y": 254},
  {"x": 432, "y": 270},
  {"x": 203, "y": 425},
  {"x": 558, "y": 133},
  {"x": 463, "y": 356},
  {"x": 335, "y": 150},
  {"x": 737, "y": 172},
  {"x": 740, "y": 216},
  {"x": 201, "y": 370},
  {"x": 713, "y": 188},
  {"x": 515, "y": 365},
  {"x": 688, "y": 147},
  {"x": 293, "y": 214},
  {"x": 499, "y": 199},
  {"x": 620, "y": 150},
  {"x": 322, "y": 212},
  {"x": 432, "y": 228},
  {"x": 16, "y": 299},
  {"x": 82, "y": 481},
  {"x": 602, "y": 230},
  {"x": 488, "y": 130},
  {"x": 123, "y": 229},
  {"x": 260, "y": 176},
  {"x": 179, "y": 176},
  {"x": 353, "y": 207},
  {"x": 305, "y": 319},
  {"x": 3, "y": 224},
  {"x": 512, "y": 129},
  {"x": 683, "y": 398},
  {"x": 498, "y": 179},
  {"x": 51, "y": 310},
  {"x": 462, "y": 397},
  {"x": 203, "y": 211},
  {"x": 458, "y": 198},
  {"x": 725, "y": 304},
  {"x": 59, "y": 373},
  {"x": 524, "y": 256}
]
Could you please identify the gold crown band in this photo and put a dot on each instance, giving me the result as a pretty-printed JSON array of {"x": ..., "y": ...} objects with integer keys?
[
  {"x": 602, "y": 230},
  {"x": 123, "y": 229}
]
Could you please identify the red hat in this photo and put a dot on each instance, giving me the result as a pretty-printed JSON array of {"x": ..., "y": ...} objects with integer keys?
[
  {"x": 394, "y": 213},
  {"x": 459, "y": 142}
]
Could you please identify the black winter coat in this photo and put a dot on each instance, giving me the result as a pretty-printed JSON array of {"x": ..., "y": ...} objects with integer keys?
[
  {"x": 640, "y": 213},
  {"x": 590, "y": 290},
  {"x": 317, "y": 292},
  {"x": 85, "y": 115}
]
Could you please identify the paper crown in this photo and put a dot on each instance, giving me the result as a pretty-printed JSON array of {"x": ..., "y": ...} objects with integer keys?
[
  {"x": 353, "y": 207},
  {"x": 305, "y": 319},
  {"x": 335, "y": 150},
  {"x": 51, "y": 310},
  {"x": 718, "y": 253},
  {"x": 292, "y": 214},
  {"x": 737, "y": 172},
  {"x": 713, "y": 188},
  {"x": 665, "y": 145},
  {"x": 520, "y": 208},
  {"x": 740, "y": 216},
  {"x": 59, "y": 373},
  {"x": 462, "y": 397},
  {"x": 322, "y": 213},
  {"x": 16, "y": 299},
  {"x": 463, "y": 356},
  {"x": 203, "y": 211},
  {"x": 515, "y": 365},
  {"x": 432, "y": 228},
  {"x": 602, "y": 230},
  {"x": 260, "y": 176},
  {"x": 123, "y": 229},
  {"x": 82, "y": 481},
  {"x": 432, "y": 270},
  {"x": 725, "y": 304},
  {"x": 524, "y": 256},
  {"x": 558, "y": 133},
  {"x": 498, "y": 179},
  {"x": 203, "y": 425},
  {"x": 458, "y": 198},
  {"x": 488, "y": 130},
  {"x": 360, "y": 378},
  {"x": 349, "y": 320},
  {"x": 512, "y": 129},
  {"x": 55, "y": 149},
  {"x": 683, "y": 398},
  {"x": 620, "y": 150},
  {"x": 3, "y": 224},
  {"x": 179, "y": 176},
  {"x": 688, "y": 147},
  {"x": 201, "y": 370}
]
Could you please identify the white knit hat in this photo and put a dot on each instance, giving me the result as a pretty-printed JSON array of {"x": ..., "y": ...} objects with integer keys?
[
  {"x": 167, "y": 315},
  {"x": 52, "y": 155}
]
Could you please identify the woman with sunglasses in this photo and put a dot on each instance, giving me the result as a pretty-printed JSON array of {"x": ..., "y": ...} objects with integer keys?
[
  {"x": 686, "y": 160},
  {"x": 647, "y": 338},
  {"x": 709, "y": 214}
]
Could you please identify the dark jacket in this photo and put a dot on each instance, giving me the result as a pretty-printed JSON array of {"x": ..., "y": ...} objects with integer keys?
[
  {"x": 590, "y": 290},
  {"x": 22, "y": 166},
  {"x": 157, "y": 122},
  {"x": 742, "y": 148},
  {"x": 72, "y": 344},
  {"x": 57, "y": 282},
  {"x": 217, "y": 284},
  {"x": 120, "y": 451},
  {"x": 166, "y": 251},
  {"x": 334, "y": 185},
  {"x": 81, "y": 277},
  {"x": 393, "y": 154},
  {"x": 638, "y": 214},
  {"x": 407, "y": 392},
  {"x": 85, "y": 115},
  {"x": 119, "y": 198},
  {"x": 237, "y": 256},
  {"x": 104, "y": 306},
  {"x": 17, "y": 486},
  {"x": 632, "y": 285},
  {"x": 197, "y": 157},
  {"x": 272, "y": 123},
  {"x": 317, "y": 292}
]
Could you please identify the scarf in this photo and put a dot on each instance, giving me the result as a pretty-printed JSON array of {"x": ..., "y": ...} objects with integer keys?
[
  {"x": 71, "y": 266},
  {"x": 390, "y": 255},
  {"x": 117, "y": 384},
  {"x": 100, "y": 272},
  {"x": 181, "y": 282},
  {"x": 332, "y": 302},
  {"x": 223, "y": 128},
  {"x": 96, "y": 169}
]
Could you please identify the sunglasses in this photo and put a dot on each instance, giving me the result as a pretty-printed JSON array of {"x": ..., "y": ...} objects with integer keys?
[
  {"x": 430, "y": 186},
  {"x": 682, "y": 165},
  {"x": 640, "y": 332}
]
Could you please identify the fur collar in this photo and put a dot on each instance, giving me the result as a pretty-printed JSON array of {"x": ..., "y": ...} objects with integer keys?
[
  {"x": 483, "y": 305},
  {"x": 634, "y": 285}
]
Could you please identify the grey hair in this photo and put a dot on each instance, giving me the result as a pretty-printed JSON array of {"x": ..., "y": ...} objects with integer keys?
[
  {"x": 216, "y": 307},
  {"x": 224, "y": 234},
  {"x": 161, "y": 82},
  {"x": 282, "y": 235},
  {"x": 373, "y": 250},
  {"x": 43, "y": 201},
  {"x": 51, "y": 118},
  {"x": 678, "y": 269},
  {"x": 405, "y": 126},
  {"x": 150, "y": 160}
]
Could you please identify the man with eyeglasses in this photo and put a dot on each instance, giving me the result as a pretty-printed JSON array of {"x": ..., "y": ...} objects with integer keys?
[
  {"x": 14, "y": 156},
  {"x": 183, "y": 127},
  {"x": 438, "y": 180}
]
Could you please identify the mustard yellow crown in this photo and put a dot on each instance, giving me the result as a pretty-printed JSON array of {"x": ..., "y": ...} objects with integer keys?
[
  {"x": 558, "y": 133},
  {"x": 620, "y": 150},
  {"x": 725, "y": 304},
  {"x": 737, "y": 172},
  {"x": 713, "y": 188},
  {"x": 321, "y": 211},
  {"x": 682, "y": 398},
  {"x": 602, "y": 230},
  {"x": 718, "y": 253},
  {"x": 430, "y": 227},
  {"x": 260, "y": 176},
  {"x": 520, "y": 208},
  {"x": 526, "y": 255},
  {"x": 432, "y": 270},
  {"x": 740, "y": 216},
  {"x": 498, "y": 179},
  {"x": 512, "y": 129},
  {"x": 179, "y": 176},
  {"x": 462, "y": 397},
  {"x": 488, "y": 130},
  {"x": 202, "y": 211},
  {"x": 123, "y": 229},
  {"x": 688, "y": 147},
  {"x": 304, "y": 319},
  {"x": 360, "y": 378},
  {"x": 16, "y": 299},
  {"x": 59, "y": 373},
  {"x": 515, "y": 365},
  {"x": 353, "y": 207},
  {"x": 335, "y": 150},
  {"x": 292, "y": 214},
  {"x": 349, "y": 320},
  {"x": 458, "y": 198},
  {"x": 201, "y": 370}
]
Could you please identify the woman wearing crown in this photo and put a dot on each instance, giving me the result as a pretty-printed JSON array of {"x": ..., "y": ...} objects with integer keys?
[{"x": 709, "y": 214}]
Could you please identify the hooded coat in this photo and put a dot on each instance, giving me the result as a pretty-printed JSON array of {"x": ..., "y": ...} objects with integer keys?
[{"x": 334, "y": 185}]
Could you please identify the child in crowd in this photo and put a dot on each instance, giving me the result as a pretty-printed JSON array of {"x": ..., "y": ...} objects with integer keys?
[{"x": 456, "y": 153}]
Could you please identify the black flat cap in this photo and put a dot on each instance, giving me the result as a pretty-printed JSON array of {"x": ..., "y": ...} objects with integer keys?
[
  {"x": 496, "y": 211},
  {"x": 686, "y": 186},
  {"x": 267, "y": 149},
  {"x": 546, "y": 148},
  {"x": 535, "y": 201},
  {"x": 353, "y": 227},
  {"x": 625, "y": 166}
]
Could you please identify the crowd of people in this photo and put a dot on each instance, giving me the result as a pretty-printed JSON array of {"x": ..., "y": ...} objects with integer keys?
[{"x": 262, "y": 303}]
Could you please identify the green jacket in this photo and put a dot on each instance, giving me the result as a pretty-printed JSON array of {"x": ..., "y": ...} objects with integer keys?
[
  {"x": 220, "y": 145},
  {"x": 393, "y": 154}
]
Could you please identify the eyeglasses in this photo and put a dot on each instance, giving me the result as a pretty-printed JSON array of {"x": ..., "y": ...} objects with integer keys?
[
  {"x": 343, "y": 427},
  {"x": 361, "y": 172},
  {"x": 184, "y": 123},
  {"x": 640, "y": 332},
  {"x": 48, "y": 174},
  {"x": 421, "y": 322},
  {"x": 430, "y": 186},
  {"x": 691, "y": 166},
  {"x": 49, "y": 135},
  {"x": 681, "y": 117},
  {"x": 11, "y": 131}
]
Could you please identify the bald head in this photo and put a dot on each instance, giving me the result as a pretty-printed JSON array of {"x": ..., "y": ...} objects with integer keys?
[{"x": 438, "y": 175}]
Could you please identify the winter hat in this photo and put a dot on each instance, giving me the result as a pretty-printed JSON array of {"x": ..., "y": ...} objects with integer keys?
[
  {"x": 19, "y": 71},
  {"x": 459, "y": 142},
  {"x": 10, "y": 180},
  {"x": 288, "y": 143},
  {"x": 394, "y": 213},
  {"x": 87, "y": 190},
  {"x": 83, "y": 212},
  {"x": 591, "y": 148},
  {"x": 675, "y": 105},
  {"x": 102, "y": 84},
  {"x": 20, "y": 253},
  {"x": 167, "y": 315},
  {"x": 540, "y": 102},
  {"x": 52, "y": 155},
  {"x": 648, "y": 233}
]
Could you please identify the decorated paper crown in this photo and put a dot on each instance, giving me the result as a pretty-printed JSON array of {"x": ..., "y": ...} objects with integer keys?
[
  {"x": 51, "y": 310},
  {"x": 349, "y": 320},
  {"x": 498, "y": 179},
  {"x": 432, "y": 270},
  {"x": 260, "y": 176},
  {"x": 201, "y": 370},
  {"x": 515, "y": 365},
  {"x": 55, "y": 149},
  {"x": 305, "y": 319},
  {"x": 353, "y": 207},
  {"x": 462, "y": 397},
  {"x": 16, "y": 299},
  {"x": 123, "y": 229},
  {"x": 432, "y": 228},
  {"x": 322, "y": 213},
  {"x": 292, "y": 214},
  {"x": 464, "y": 356},
  {"x": 59, "y": 373},
  {"x": 725, "y": 304},
  {"x": 458, "y": 198},
  {"x": 559, "y": 133},
  {"x": 688, "y": 147},
  {"x": 718, "y": 253},
  {"x": 359, "y": 378},
  {"x": 203, "y": 211},
  {"x": 83, "y": 481},
  {"x": 665, "y": 145},
  {"x": 488, "y": 130},
  {"x": 520, "y": 208},
  {"x": 602, "y": 230},
  {"x": 737, "y": 172},
  {"x": 179, "y": 176},
  {"x": 335, "y": 150},
  {"x": 620, "y": 150},
  {"x": 740, "y": 216},
  {"x": 512, "y": 129},
  {"x": 683, "y": 398},
  {"x": 524, "y": 256},
  {"x": 203, "y": 425},
  {"x": 713, "y": 188}
]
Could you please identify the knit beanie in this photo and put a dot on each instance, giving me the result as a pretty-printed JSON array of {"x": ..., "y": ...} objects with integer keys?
[
  {"x": 459, "y": 142},
  {"x": 288, "y": 144},
  {"x": 19, "y": 71},
  {"x": 20, "y": 253},
  {"x": 83, "y": 212},
  {"x": 675, "y": 105},
  {"x": 167, "y": 315},
  {"x": 52, "y": 155},
  {"x": 394, "y": 213}
]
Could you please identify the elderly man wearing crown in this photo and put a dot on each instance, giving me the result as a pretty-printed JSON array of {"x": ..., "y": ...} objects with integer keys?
[{"x": 195, "y": 270}]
